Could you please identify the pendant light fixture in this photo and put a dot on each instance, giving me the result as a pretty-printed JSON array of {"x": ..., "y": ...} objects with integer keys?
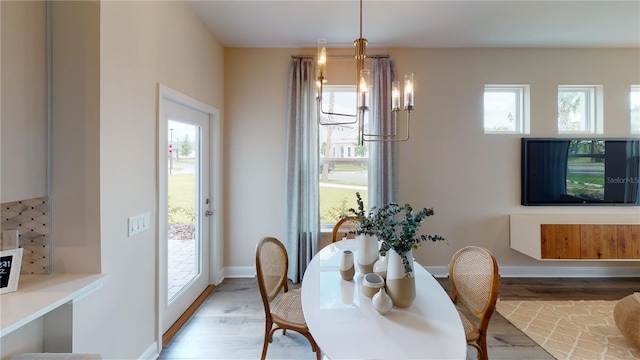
[{"x": 363, "y": 86}]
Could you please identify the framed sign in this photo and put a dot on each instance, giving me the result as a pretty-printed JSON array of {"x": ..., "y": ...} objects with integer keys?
[{"x": 10, "y": 263}]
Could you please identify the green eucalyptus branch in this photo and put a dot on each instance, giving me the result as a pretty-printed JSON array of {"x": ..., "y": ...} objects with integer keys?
[{"x": 366, "y": 219}]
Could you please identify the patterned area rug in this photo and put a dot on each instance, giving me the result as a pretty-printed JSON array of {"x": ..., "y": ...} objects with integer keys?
[{"x": 570, "y": 329}]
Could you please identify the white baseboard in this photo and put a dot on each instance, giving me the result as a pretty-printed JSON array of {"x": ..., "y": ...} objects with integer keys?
[
  {"x": 240, "y": 272},
  {"x": 505, "y": 271},
  {"x": 151, "y": 353}
]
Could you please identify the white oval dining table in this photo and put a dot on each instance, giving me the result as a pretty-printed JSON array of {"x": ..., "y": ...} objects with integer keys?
[{"x": 345, "y": 325}]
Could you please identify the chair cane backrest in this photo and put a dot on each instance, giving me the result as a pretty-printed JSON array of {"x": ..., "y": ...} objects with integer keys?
[
  {"x": 342, "y": 227},
  {"x": 475, "y": 281},
  {"x": 271, "y": 267}
]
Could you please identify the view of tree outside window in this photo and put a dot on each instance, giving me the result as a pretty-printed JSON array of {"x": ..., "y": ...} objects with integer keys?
[
  {"x": 635, "y": 109},
  {"x": 585, "y": 169},
  {"x": 575, "y": 109},
  {"x": 343, "y": 163}
]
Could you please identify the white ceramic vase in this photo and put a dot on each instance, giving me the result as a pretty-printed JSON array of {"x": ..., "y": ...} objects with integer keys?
[
  {"x": 382, "y": 302},
  {"x": 346, "y": 265},
  {"x": 371, "y": 284},
  {"x": 400, "y": 286},
  {"x": 367, "y": 253},
  {"x": 380, "y": 267}
]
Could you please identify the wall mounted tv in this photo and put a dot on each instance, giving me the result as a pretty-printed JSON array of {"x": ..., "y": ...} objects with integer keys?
[{"x": 580, "y": 171}]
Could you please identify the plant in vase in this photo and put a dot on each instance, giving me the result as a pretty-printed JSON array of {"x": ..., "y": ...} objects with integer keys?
[
  {"x": 399, "y": 238},
  {"x": 402, "y": 236},
  {"x": 366, "y": 235},
  {"x": 366, "y": 219}
]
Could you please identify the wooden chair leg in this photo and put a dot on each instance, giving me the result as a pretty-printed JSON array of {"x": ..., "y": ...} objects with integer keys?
[
  {"x": 267, "y": 339},
  {"x": 482, "y": 347},
  {"x": 314, "y": 346}
]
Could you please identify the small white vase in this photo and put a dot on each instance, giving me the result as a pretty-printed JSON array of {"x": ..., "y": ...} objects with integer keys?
[
  {"x": 371, "y": 284},
  {"x": 346, "y": 265},
  {"x": 401, "y": 286},
  {"x": 382, "y": 302},
  {"x": 380, "y": 267},
  {"x": 367, "y": 253}
]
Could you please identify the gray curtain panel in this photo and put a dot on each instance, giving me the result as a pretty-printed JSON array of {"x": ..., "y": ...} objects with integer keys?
[
  {"x": 383, "y": 155},
  {"x": 302, "y": 221}
]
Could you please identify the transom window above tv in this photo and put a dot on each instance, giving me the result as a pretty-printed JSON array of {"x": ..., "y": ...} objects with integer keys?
[
  {"x": 580, "y": 109},
  {"x": 506, "y": 109},
  {"x": 634, "y": 107},
  {"x": 580, "y": 171}
]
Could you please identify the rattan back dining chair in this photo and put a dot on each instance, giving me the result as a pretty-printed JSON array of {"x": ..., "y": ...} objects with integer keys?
[
  {"x": 342, "y": 227},
  {"x": 282, "y": 307},
  {"x": 475, "y": 281}
]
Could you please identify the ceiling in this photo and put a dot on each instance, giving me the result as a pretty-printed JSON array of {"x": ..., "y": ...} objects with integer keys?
[{"x": 423, "y": 24}]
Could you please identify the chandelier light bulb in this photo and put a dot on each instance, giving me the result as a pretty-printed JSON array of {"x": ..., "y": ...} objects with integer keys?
[
  {"x": 395, "y": 95},
  {"x": 408, "y": 91},
  {"x": 365, "y": 77},
  {"x": 322, "y": 56}
]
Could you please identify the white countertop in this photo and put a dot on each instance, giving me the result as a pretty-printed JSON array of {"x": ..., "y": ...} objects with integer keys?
[
  {"x": 345, "y": 325},
  {"x": 40, "y": 294}
]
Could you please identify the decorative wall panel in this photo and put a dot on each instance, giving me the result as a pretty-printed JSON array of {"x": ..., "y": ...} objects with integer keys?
[{"x": 32, "y": 219}]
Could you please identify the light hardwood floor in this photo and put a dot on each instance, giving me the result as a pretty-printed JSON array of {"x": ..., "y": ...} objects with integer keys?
[{"x": 230, "y": 322}]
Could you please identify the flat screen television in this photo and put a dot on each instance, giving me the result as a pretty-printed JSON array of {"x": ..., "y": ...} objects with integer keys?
[{"x": 580, "y": 171}]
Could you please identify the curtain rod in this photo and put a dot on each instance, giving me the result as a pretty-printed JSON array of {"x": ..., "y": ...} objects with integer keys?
[{"x": 339, "y": 56}]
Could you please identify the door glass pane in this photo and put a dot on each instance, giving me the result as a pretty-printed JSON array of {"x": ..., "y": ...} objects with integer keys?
[{"x": 183, "y": 209}]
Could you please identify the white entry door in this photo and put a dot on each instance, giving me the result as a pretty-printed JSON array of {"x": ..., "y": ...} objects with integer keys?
[{"x": 185, "y": 209}]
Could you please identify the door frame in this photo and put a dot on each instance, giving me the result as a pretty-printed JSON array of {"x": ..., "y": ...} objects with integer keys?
[{"x": 215, "y": 270}]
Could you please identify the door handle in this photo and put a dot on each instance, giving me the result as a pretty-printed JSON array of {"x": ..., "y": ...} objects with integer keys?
[{"x": 208, "y": 213}]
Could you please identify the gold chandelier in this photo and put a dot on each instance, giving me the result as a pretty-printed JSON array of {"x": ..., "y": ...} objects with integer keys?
[{"x": 363, "y": 77}]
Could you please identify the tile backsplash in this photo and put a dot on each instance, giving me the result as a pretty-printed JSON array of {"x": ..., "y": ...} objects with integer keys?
[{"x": 32, "y": 219}]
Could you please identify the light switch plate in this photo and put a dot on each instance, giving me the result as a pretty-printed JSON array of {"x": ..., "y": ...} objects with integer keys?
[
  {"x": 138, "y": 223},
  {"x": 10, "y": 239}
]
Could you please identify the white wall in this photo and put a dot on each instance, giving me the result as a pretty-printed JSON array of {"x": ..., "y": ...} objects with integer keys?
[
  {"x": 108, "y": 60},
  {"x": 471, "y": 179},
  {"x": 255, "y": 103},
  {"x": 75, "y": 145},
  {"x": 141, "y": 44},
  {"x": 24, "y": 127}
]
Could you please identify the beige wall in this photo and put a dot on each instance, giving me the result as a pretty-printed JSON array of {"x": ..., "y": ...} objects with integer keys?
[
  {"x": 75, "y": 143},
  {"x": 141, "y": 44},
  {"x": 111, "y": 136},
  {"x": 23, "y": 125},
  {"x": 24, "y": 102},
  {"x": 109, "y": 58},
  {"x": 471, "y": 179}
]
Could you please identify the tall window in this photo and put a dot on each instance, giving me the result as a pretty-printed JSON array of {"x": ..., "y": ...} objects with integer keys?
[
  {"x": 579, "y": 110},
  {"x": 506, "y": 109},
  {"x": 634, "y": 104},
  {"x": 343, "y": 163}
]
